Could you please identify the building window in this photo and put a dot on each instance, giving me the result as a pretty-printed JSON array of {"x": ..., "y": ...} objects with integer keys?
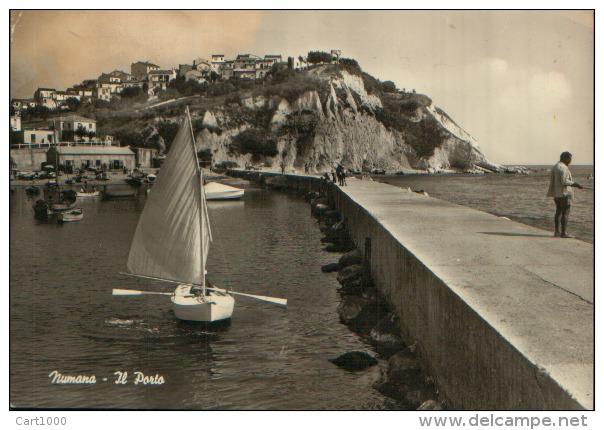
[{"x": 33, "y": 138}]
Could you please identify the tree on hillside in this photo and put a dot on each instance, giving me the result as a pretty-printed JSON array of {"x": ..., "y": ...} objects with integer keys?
[
  {"x": 349, "y": 62},
  {"x": 316, "y": 57},
  {"x": 131, "y": 92},
  {"x": 389, "y": 87},
  {"x": 186, "y": 87},
  {"x": 72, "y": 103},
  {"x": 221, "y": 89},
  {"x": 81, "y": 131},
  {"x": 38, "y": 112},
  {"x": 213, "y": 76}
]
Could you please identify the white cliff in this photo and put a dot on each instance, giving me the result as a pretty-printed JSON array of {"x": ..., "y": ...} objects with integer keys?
[{"x": 343, "y": 123}]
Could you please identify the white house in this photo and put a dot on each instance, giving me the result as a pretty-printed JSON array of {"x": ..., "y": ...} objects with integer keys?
[
  {"x": 71, "y": 123},
  {"x": 23, "y": 104},
  {"x": 203, "y": 65},
  {"x": 274, "y": 58},
  {"x": 159, "y": 79},
  {"x": 102, "y": 93},
  {"x": 61, "y": 96},
  {"x": 217, "y": 60},
  {"x": 195, "y": 75},
  {"x": 38, "y": 135},
  {"x": 44, "y": 93}
]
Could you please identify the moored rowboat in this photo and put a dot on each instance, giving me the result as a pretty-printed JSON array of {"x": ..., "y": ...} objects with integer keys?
[
  {"x": 70, "y": 216},
  {"x": 88, "y": 195},
  {"x": 217, "y": 191}
]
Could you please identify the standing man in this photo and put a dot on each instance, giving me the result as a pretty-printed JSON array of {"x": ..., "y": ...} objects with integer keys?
[{"x": 560, "y": 188}]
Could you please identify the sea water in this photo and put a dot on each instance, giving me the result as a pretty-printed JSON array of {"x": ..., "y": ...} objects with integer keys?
[
  {"x": 65, "y": 324},
  {"x": 518, "y": 197}
]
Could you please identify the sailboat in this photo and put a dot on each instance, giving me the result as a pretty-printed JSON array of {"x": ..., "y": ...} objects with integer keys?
[{"x": 173, "y": 237}]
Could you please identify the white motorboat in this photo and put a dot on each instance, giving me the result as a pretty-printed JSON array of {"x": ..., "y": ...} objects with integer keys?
[
  {"x": 218, "y": 191},
  {"x": 70, "y": 216},
  {"x": 176, "y": 216},
  {"x": 88, "y": 195}
]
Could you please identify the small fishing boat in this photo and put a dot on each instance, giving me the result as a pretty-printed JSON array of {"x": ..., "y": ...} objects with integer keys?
[
  {"x": 61, "y": 207},
  {"x": 150, "y": 178},
  {"x": 118, "y": 194},
  {"x": 88, "y": 194},
  {"x": 137, "y": 182},
  {"x": 70, "y": 216},
  {"x": 173, "y": 237},
  {"x": 32, "y": 191},
  {"x": 66, "y": 200},
  {"x": 41, "y": 209},
  {"x": 217, "y": 191}
]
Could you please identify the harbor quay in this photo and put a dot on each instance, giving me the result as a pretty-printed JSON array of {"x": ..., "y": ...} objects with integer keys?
[{"x": 501, "y": 313}]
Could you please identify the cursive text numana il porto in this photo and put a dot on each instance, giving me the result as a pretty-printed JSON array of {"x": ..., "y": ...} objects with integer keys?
[{"x": 120, "y": 378}]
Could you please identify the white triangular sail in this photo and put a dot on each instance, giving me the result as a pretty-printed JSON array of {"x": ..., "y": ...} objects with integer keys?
[{"x": 173, "y": 233}]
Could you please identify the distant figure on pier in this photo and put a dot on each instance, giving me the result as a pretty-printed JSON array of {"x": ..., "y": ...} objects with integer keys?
[
  {"x": 333, "y": 176},
  {"x": 341, "y": 174},
  {"x": 323, "y": 183},
  {"x": 561, "y": 189},
  {"x": 282, "y": 168}
]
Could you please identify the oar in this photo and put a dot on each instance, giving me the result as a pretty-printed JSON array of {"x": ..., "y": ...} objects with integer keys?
[
  {"x": 118, "y": 292},
  {"x": 275, "y": 300}
]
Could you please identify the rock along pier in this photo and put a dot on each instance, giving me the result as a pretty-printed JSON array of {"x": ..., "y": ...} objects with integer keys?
[{"x": 502, "y": 313}]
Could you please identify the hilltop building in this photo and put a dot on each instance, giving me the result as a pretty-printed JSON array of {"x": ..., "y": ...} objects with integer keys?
[
  {"x": 159, "y": 79},
  {"x": 44, "y": 97},
  {"x": 140, "y": 70},
  {"x": 21, "y": 105}
]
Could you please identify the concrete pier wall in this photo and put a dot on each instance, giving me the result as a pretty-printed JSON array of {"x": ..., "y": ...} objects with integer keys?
[{"x": 502, "y": 313}]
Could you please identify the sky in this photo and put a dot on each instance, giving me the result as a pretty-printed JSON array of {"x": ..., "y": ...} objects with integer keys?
[{"x": 520, "y": 82}]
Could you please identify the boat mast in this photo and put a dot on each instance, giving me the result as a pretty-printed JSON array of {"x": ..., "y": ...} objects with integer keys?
[{"x": 201, "y": 207}]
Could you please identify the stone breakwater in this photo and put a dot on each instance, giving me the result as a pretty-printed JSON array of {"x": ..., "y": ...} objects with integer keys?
[
  {"x": 368, "y": 313},
  {"x": 498, "y": 314}
]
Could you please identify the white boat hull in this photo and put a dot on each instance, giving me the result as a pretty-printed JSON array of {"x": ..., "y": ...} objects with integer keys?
[
  {"x": 91, "y": 195},
  {"x": 217, "y": 191},
  {"x": 214, "y": 307},
  {"x": 235, "y": 195},
  {"x": 70, "y": 216}
]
